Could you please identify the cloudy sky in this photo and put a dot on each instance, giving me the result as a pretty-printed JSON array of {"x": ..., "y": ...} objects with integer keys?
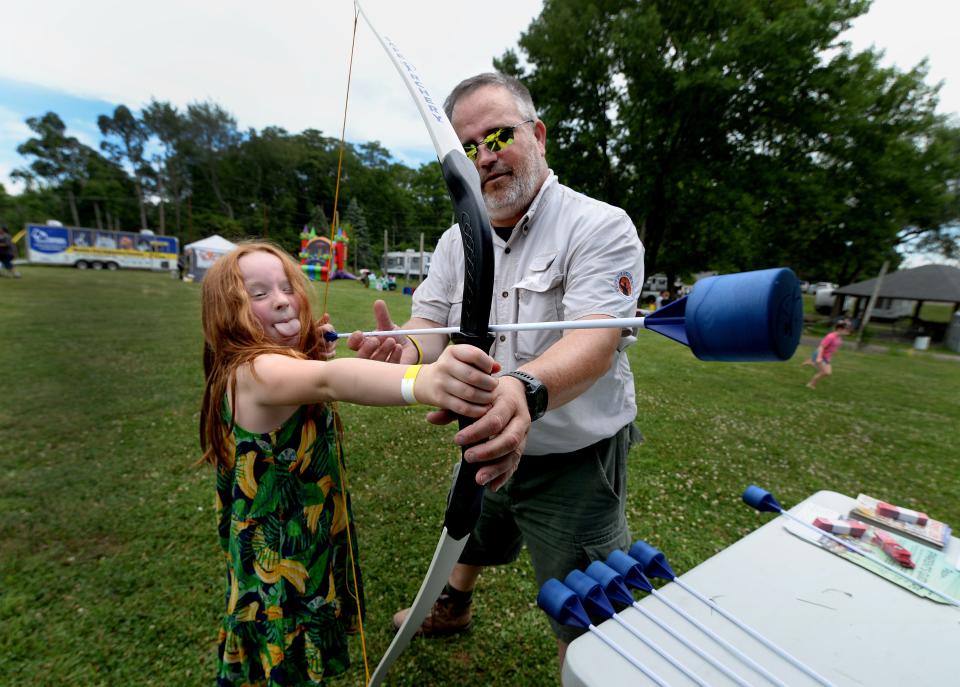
[{"x": 285, "y": 63}]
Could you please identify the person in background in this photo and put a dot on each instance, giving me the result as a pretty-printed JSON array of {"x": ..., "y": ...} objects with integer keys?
[
  {"x": 566, "y": 401},
  {"x": 823, "y": 355},
  {"x": 293, "y": 588},
  {"x": 8, "y": 252}
]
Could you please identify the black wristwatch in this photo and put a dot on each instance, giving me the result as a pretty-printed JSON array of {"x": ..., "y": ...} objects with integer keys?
[{"x": 536, "y": 392}]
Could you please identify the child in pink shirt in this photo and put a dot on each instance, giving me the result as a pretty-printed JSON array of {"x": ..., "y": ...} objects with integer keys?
[{"x": 824, "y": 354}]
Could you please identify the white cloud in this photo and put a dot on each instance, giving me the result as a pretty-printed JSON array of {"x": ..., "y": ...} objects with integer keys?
[
  {"x": 13, "y": 131},
  {"x": 12, "y": 126},
  {"x": 908, "y": 32},
  {"x": 284, "y": 64}
]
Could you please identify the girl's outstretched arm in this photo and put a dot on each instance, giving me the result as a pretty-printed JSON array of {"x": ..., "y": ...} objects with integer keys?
[{"x": 460, "y": 381}]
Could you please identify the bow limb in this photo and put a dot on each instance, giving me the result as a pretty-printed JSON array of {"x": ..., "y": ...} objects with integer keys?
[{"x": 463, "y": 183}]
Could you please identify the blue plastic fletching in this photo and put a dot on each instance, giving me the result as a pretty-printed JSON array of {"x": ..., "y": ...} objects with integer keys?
[
  {"x": 652, "y": 560},
  {"x": 629, "y": 570},
  {"x": 611, "y": 583},
  {"x": 561, "y": 603},
  {"x": 330, "y": 336},
  {"x": 670, "y": 321},
  {"x": 590, "y": 593},
  {"x": 761, "y": 499},
  {"x": 746, "y": 317}
]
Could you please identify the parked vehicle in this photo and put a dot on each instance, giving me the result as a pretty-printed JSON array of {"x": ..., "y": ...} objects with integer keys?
[
  {"x": 406, "y": 263},
  {"x": 823, "y": 300},
  {"x": 655, "y": 283},
  {"x": 83, "y": 248},
  {"x": 815, "y": 288}
]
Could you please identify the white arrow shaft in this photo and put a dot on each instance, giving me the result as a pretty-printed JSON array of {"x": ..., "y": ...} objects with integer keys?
[
  {"x": 623, "y": 652},
  {"x": 606, "y": 323},
  {"x": 719, "y": 640}
]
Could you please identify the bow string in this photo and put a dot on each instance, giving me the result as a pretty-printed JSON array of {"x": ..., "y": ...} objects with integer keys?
[{"x": 463, "y": 183}]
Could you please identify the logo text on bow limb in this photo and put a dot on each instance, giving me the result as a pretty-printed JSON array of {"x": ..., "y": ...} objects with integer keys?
[{"x": 435, "y": 111}]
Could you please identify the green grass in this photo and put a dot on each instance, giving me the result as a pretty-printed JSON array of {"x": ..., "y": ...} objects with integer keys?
[{"x": 109, "y": 565}]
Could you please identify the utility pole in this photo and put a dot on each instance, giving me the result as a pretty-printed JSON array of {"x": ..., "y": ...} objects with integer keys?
[{"x": 872, "y": 302}]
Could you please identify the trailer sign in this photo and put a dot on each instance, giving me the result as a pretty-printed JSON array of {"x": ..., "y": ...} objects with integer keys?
[
  {"x": 48, "y": 239},
  {"x": 99, "y": 249}
]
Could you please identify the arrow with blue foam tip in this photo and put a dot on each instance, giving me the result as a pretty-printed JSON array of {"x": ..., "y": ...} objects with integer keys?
[
  {"x": 743, "y": 317},
  {"x": 563, "y": 605},
  {"x": 594, "y": 598}
]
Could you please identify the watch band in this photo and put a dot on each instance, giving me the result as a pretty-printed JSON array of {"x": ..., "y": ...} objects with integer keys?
[{"x": 535, "y": 392}]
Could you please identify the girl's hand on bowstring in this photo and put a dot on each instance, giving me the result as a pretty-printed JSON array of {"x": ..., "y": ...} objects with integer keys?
[{"x": 328, "y": 349}]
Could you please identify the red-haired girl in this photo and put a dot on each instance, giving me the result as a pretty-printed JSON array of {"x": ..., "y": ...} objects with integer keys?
[{"x": 293, "y": 591}]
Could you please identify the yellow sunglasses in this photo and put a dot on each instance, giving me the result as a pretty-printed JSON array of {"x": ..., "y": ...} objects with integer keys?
[{"x": 495, "y": 141}]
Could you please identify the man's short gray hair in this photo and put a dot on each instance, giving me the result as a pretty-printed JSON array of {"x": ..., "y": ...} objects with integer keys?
[{"x": 519, "y": 92}]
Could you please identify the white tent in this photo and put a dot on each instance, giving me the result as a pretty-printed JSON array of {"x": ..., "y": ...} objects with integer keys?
[{"x": 200, "y": 255}]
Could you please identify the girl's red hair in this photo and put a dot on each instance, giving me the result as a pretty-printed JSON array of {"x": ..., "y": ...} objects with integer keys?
[{"x": 233, "y": 337}]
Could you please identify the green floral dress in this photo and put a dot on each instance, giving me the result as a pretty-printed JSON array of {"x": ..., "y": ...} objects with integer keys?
[{"x": 283, "y": 519}]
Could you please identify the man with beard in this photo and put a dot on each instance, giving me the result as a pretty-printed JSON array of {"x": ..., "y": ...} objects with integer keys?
[{"x": 566, "y": 400}]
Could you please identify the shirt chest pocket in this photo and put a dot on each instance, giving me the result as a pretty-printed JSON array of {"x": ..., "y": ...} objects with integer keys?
[
  {"x": 456, "y": 306},
  {"x": 539, "y": 299}
]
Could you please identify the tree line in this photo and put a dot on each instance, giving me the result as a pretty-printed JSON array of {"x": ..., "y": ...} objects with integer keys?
[
  {"x": 742, "y": 134},
  {"x": 738, "y": 134},
  {"x": 192, "y": 173}
]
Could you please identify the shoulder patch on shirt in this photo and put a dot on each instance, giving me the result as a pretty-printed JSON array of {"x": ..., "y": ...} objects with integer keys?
[{"x": 624, "y": 284}]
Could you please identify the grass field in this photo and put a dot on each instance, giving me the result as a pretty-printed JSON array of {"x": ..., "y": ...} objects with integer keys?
[{"x": 109, "y": 566}]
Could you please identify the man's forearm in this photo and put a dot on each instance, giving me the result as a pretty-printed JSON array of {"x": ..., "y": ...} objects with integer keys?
[
  {"x": 431, "y": 345},
  {"x": 571, "y": 366},
  {"x": 568, "y": 368}
]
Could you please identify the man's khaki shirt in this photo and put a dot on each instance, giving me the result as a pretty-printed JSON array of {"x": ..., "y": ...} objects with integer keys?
[{"x": 568, "y": 257}]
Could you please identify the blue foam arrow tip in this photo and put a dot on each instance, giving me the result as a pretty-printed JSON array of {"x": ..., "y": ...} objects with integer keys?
[
  {"x": 761, "y": 499},
  {"x": 590, "y": 594},
  {"x": 651, "y": 560},
  {"x": 670, "y": 321},
  {"x": 562, "y": 604},
  {"x": 611, "y": 582},
  {"x": 629, "y": 570},
  {"x": 746, "y": 317}
]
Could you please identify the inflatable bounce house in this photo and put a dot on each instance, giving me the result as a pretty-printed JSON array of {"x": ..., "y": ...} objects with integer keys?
[{"x": 318, "y": 254}]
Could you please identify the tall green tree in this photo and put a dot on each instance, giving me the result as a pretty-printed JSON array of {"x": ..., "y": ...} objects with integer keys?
[
  {"x": 736, "y": 132},
  {"x": 359, "y": 234},
  {"x": 59, "y": 161},
  {"x": 164, "y": 122},
  {"x": 125, "y": 139},
  {"x": 210, "y": 135},
  {"x": 109, "y": 192}
]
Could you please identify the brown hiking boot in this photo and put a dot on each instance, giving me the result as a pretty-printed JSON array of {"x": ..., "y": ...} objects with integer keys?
[{"x": 445, "y": 618}]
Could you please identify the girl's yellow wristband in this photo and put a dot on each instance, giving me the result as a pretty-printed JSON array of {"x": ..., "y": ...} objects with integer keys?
[{"x": 406, "y": 384}]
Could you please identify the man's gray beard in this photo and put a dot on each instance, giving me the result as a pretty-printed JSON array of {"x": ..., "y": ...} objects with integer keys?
[{"x": 517, "y": 196}]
